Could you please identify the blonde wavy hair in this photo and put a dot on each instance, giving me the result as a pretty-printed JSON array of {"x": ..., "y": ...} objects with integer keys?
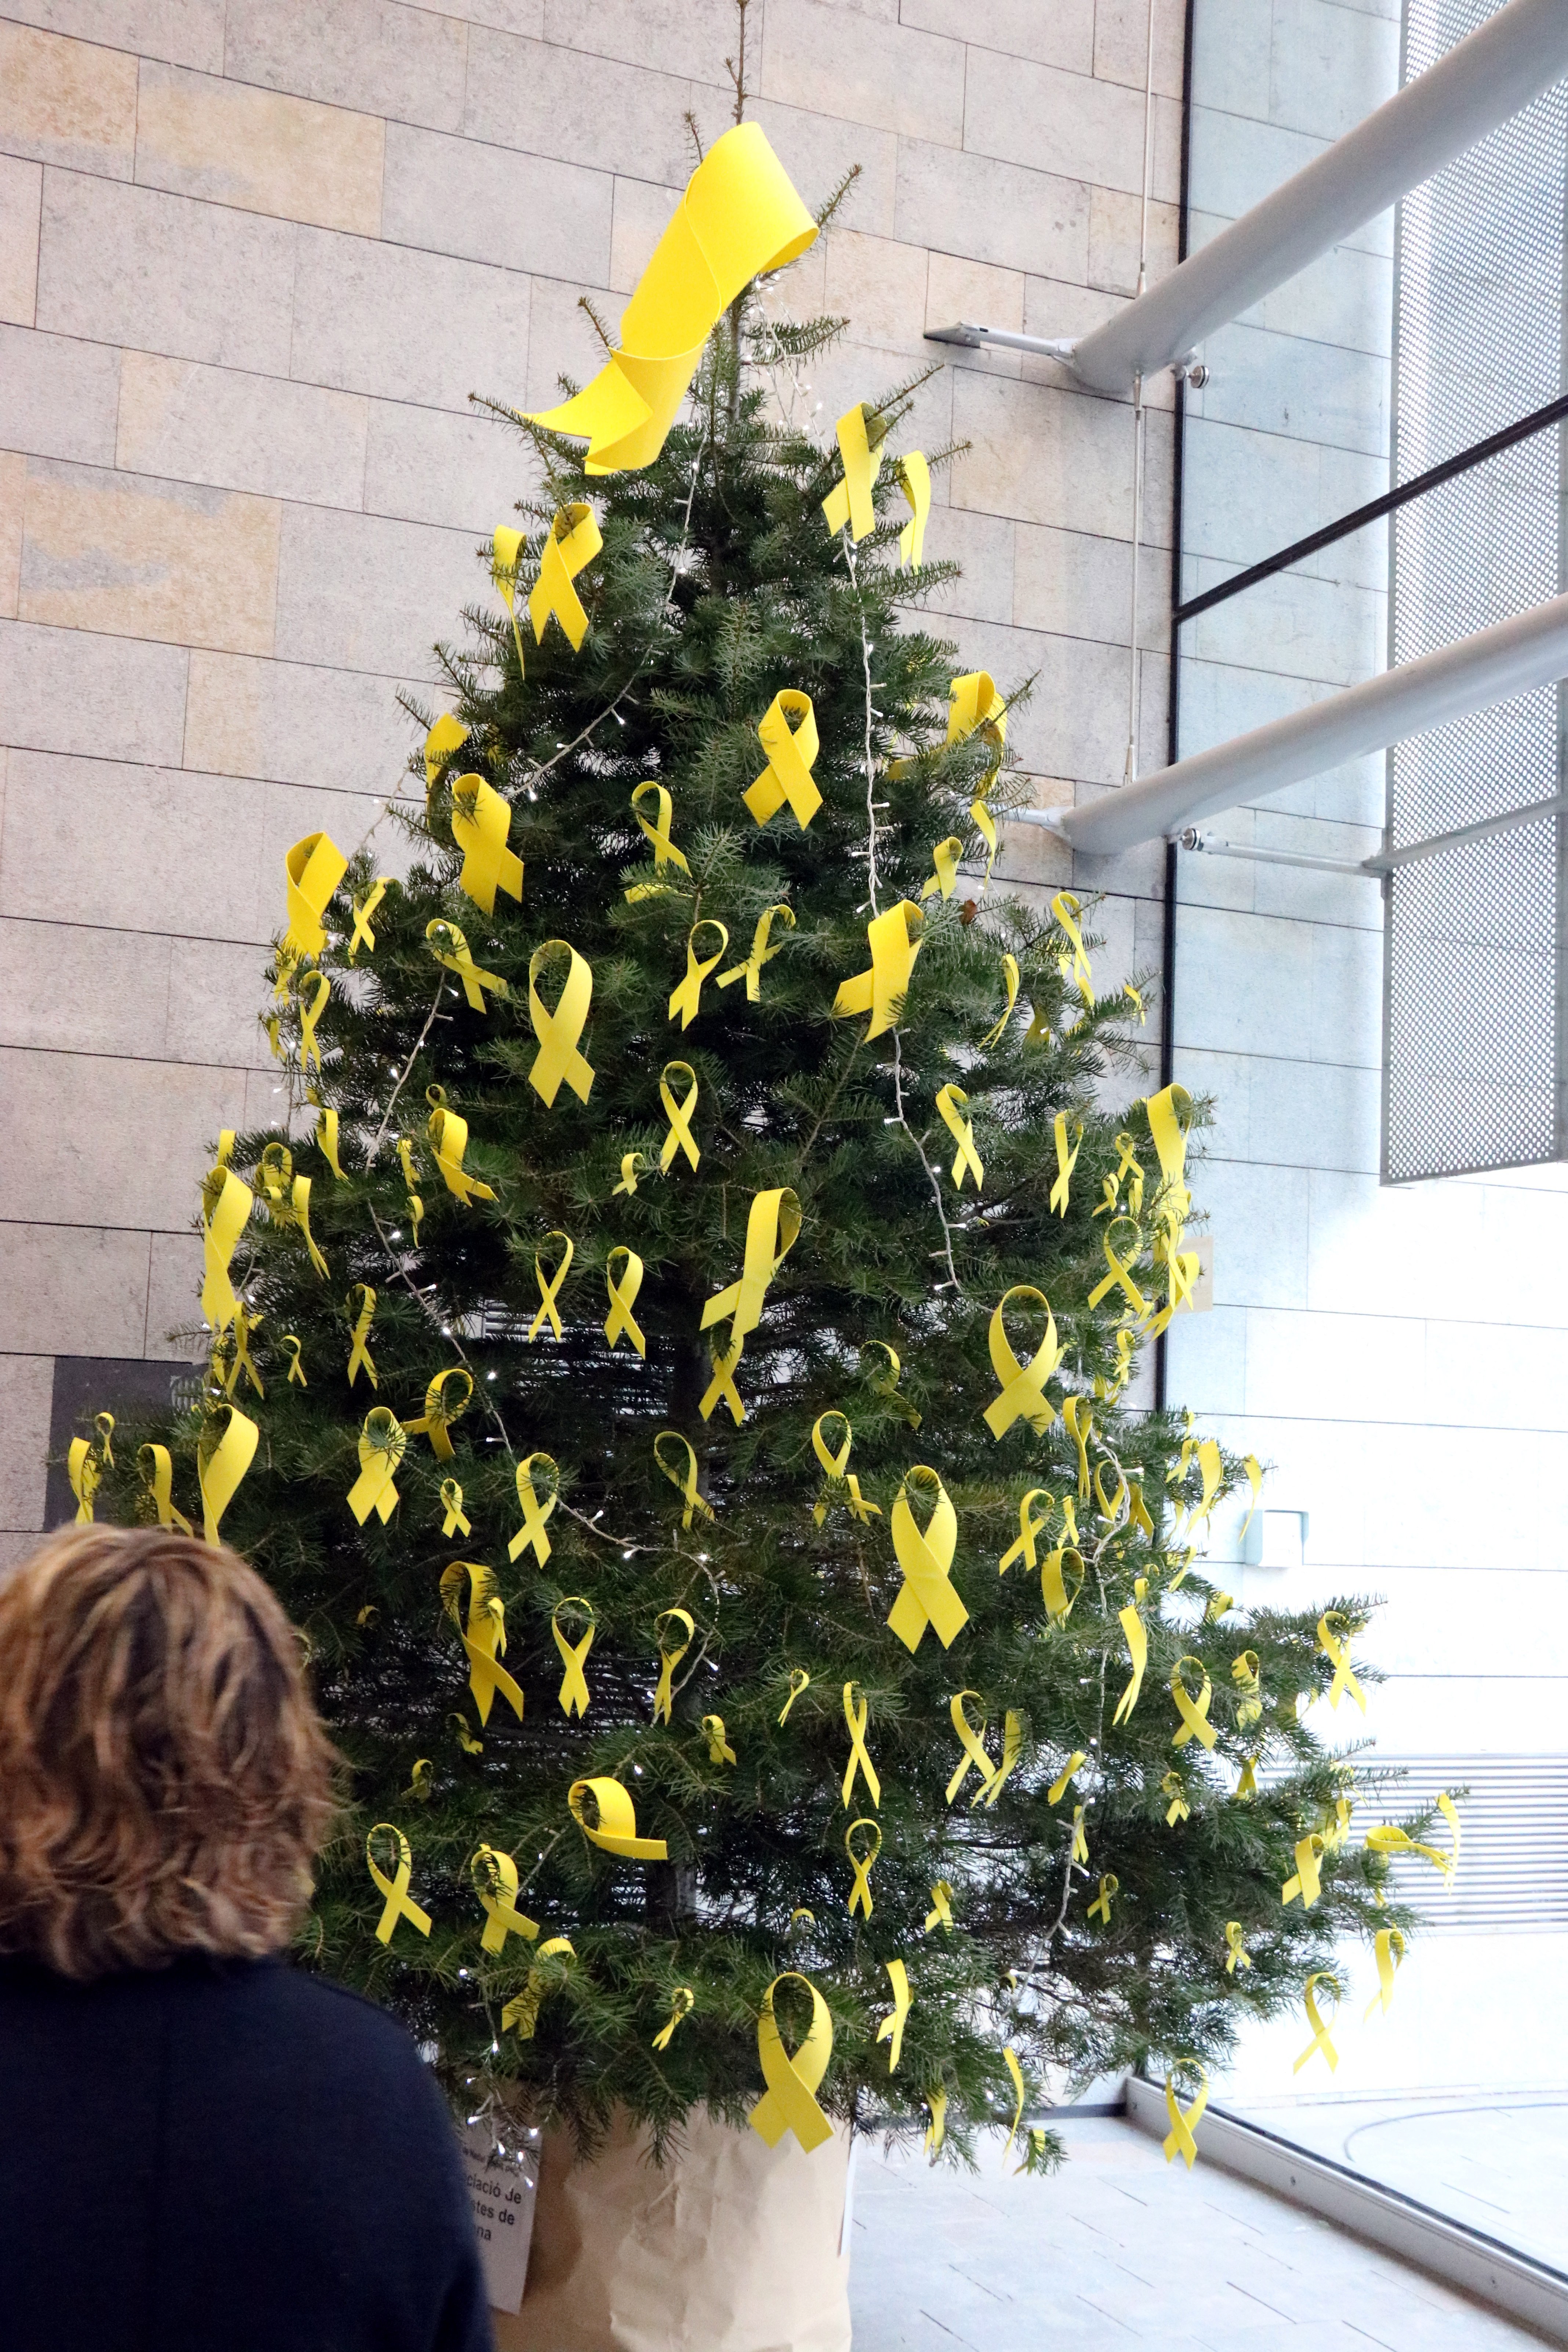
[{"x": 165, "y": 1783}]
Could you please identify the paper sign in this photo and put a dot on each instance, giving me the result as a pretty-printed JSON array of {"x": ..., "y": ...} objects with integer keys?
[{"x": 501, "y": 2185}]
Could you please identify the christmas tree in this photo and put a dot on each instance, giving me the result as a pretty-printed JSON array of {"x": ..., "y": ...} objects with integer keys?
[{"x": 745, "y": 1607}]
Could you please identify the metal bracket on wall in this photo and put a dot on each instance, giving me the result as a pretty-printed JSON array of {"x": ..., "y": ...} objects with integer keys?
[{"x": 1384, "y": 861}]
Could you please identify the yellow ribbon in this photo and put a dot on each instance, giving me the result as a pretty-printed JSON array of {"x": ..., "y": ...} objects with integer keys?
[
  {"x": 1080, "y": 1842},
  {"x": 310, "y": 1014},
  {"x": 313, "y": 869},
  {"x": 457, "y": 1520},
  {"x": 550, "y": 1284},
  {"x": 1320, "y": 2039},
  {"x": 623, "y": 1298},
  {"x": 1393, "y": 1840},
  {"x": 359, "y": 1352},
  {"x": 1059, "y": 1786},
  {"x": 721, "y": 1389},
  {"x": 434, "y": 1423},
  {"x": 1127, "y": 1165},
  {"x": 1066, "y": 1162},
  {"x": 857, "y": 1711},
  {"x": 1137, "y": 1651},
  {"x": 466, "y": 1740},
  {"x": 685, "y": 998},
  {"x": 889, "y": 1388},
  {"x": 1170, "y": 1116},
  {"x": 799, "y": 1680},
  {"x": 1101, "y": 1907},
  {"x": 1079, "y": 1419},
  {"x": 1338, "y": 1653},
  {"x": 449, "y": 1135},
  {"x": 974, "y": 1758},
  {"x": 891, "y": 2028},
  {"x": 949, "y": 1101},
  {"x": 842, "y": 1484},
  {"x": 534, "y": 1514},
  {"x": 773, "y": 1227},
  {"x": 327, "y": 1140},
  {"x": 446, "y": 737},
  {"x": 416, "y": 1205},
  {"x": 664, "y": 1697},
  {"x": 789, "y": 2102},
  {"x": 914, "y": 475},
  {"x": 1178, "y": 1809},
  {"x": 617, "y": 1826},
  {"x": 860, "y": 1894},
  {"x": 520, "y": 2014},
  {"x": 573, "y": 542},
  {"x": 975, "y": 703},
  {"x": 686, "y": 1487},
  {"x": 1121, "y": 1242},
  {"x": 739, "y": 218},
  {"x": 683, "y": 2001},
  {"x": 481, "y": 822},
  {"x": 1010, "y": 982},
  {"x": 926, "y": 1596},
  {"x": 421, "y": 1780},
  {"x": 363, "y": 937},
  {"x": 484, "y": 1636},
  {"x": 159, "y": 1482},
  {"x": 505, "y": 559},
  {"x": 1307, "y": 1884},
  {"x": 1244, "y": 1674},
  {"x": 1238, "y": 1956},
  {"x": 227, "y": 1204},
  {"x": 665, "y": 852},
  {"x": 936, "y": 2130},
  {"x": 941, "y": 1913},
  {"x": 1254, "y": 1469},
  {"x": 451, "y": 949},
  {"x": 895, "y": 942},
  {"x": 633, "y": 1165},
  {"x": 382, "y": 1443},
  {"x": 1029, "y": 1528},
  {"x": 222, "y": 1462},
  {"x": 679, "y": 1137},
  {"x": 847, "y": 507},
  {"x": 85, "y": 1466},
  {"x": 574, "y": 1691},
  {"x": 1066, "y": 911},
  {"x": 1179, "y": 2139},
  {"x": 1389, "y": 1948},
  {"x": 1023, "y": 1396},
  {"x": 1010, "y": 2059},
  {"x": 1054, "y": 1573},
  {"x": 944, "y": 858},
  {"x": 762, "y": 952},
  {"x": 399, "y": 1903},
  {"x": 559, "y": 1032},
  {"x": 1194, "y": 1713},
  {"x": 494, "y": 1877},
  {"x": 792, "y": 755}
]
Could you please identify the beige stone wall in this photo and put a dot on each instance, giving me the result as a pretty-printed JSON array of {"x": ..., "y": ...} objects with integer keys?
[{"x": 254, "y": 254}]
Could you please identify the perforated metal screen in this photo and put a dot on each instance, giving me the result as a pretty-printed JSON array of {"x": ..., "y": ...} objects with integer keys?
[
  {"x": 1474, "y": 1052},
  {"x": 1513, "y": 1858}
]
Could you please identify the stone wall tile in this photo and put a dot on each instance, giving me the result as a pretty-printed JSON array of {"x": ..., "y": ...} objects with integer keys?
[
  {"x": 989, "y": 211},
  {"x": 1075, "y": 584},
  {"x": 838, "y": 62},
  {"x": 111, "y": 697},
  {"x": 489, "y": 203},
  {"x": 94, "y": 1167},
  {"x": 234, "y": 431},
  {"x": 1115, "y": 227},
  {"x": 1060, "y": 35},
  {"x": 1091, "y": 129},
  {"x": 642, "y": 212},
  {"x": 136, "y": 557},
  {"x": 81, "y": 1292},
  {"x": 880, "y": 286},
  {"x": 361, "y": 592},
  {"x": 58, "y": 396},
  {"x": 77, "y": 987},
  {"x": 425, "y": 465},
  {"x": 217, "y": 994},
  {"x": 182, "y": 32},
  {"x": 816, "y": 151},
  {"x": 174, "y": 1271},
  {"x": 525, "y": 17},
  {"x": 162, "y": 274},
  {"x": 984, "y": 545},
  {"x": 1075, "y": 722},
  {"x": 1122, "y": 43},
  {"x": 13, "y": 498},
  {"x": 561, "y": 339},
  {"x": 1043, "y": 456},
  {"x": 691, "y": 38},
  {"x": 385, "y": 319},
  {"x": 198, "y": 136},
  {"x": 68, "y": 102},
  {"x": 27, "y": 1387},
  {"x": 297, "y": 722},
  {"x": 375, "y": 55},
  {"x": 584, "y": 110},
  {"x": 21, "y": 202}
]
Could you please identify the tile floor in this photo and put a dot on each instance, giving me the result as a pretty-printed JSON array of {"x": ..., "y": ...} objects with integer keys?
[{"x": 1120, "y": 2249}]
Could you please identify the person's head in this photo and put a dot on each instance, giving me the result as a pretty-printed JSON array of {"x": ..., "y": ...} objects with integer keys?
[{"x": 164, "y": 1780}]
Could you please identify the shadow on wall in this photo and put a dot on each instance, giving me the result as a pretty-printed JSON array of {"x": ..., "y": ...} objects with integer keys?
[{"x": 126, "y": 1386}]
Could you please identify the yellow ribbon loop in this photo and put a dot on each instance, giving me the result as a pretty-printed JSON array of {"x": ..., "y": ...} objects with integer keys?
[
  {"x": 944, "y": 858},
  {"x": 1010, "y": 978},
  {"x": 926, "y": 1596},
  {"x": 857, "y": 1712},
  {"x": 800, "y": 1917},
  {"x": 227, "y": 1204},
  {"x": 310, "y": 1013},
  {"x": 559, "y": 1032},
  {"x": 240, "y": 1333},
  {"x": 849, "y": 504},
  {"x": 574, "y": 1691},
  {"x": 789, "y": 2102},
  {"x": 721, "y": 1389},
  {"x": 159, "y": 1481},
  {"x": 976, "y": 705},
  {"x": 1111, "y": 1505},
  {"x": 457, "y": 1520},
  {"x": 550, "y": 1284},
  {"x": 679, "y": 1137},
  {"x": 382, "y": 1443},
  {"x": 889, "y": 1388},
  {"x": 1337, "y": 1652},
  {"x": 363, "y": 937},
  {"x": 1055, "y": 1571},
  {"x": 1066, "y": 1162},
  {"x": 842, "y": 1484},
  {"x": 633, "y": 1165},
  {"x": 1393, "y": 1840},
  {"x": 1029, "y": 1527},
  {"x": 1173, "y": 1787},
  {"x": 1194, "y": 1713},
  {"x": 914, "y": 475},
  {"x": 683, "y": 2001},
  {"x": 1389, "y": 1948},
  {"x": 85, "y": 1471},
  {"x": 1099, "y": 1908},
  {"x": 421, "y": 1780},
  {"x": 949, "y": 1102},
  {"x": 941, "y": 1913},
  {"x": 416, "y": 1205},
  {"x": 739, "y": 218},
  {"x": 891, "y": 2028},
  {"x": 685, "y": 998},
  {"x": 223, "y": 1458},
  {"x": 1321, "y": 2036},
  {"x": 1121, "y": 1242},
  {"x": 313, "y": 869},
  {"x": 974, "y": 1758},
  {"x": 534, "y": 1513},
  {"x": 494, "y": 1877},
  {"x": 762, "y": 952},
  {"x": 573, "y": 543},
  {"x": 451, "y": 949},
  {"x": 1023, "y": 1396},
  {"x": 1307, "y": 1882},
  {"x": 1060, "y": 1786},
  {"x": 895, "y": 941},
  {"x": 665, "y": 852},
  {"x": 1254, "y": 1469},
  {"x": 936, "y": 2130},
  {"x": 505, "y": 559},
  {"x": 617, "y": 1831},
  {"x": 359, "y": 1351},
  {"x": 719, "y": 1748},
  {"x": 799, "y": 1680},
  {"x": 1110, "y": 1185},
  {"x": 773, "y": 1228},
  {"x": 1244, "y": 1674},
  {"x": 623, "y": 1289},
  {"x": 669, "y": 1659},
  {"x": 792, "y": 755},
  {"x": 436, "y": 1422},
  {"x": 399, "y": 1903},
  {"x": 1137, "y": 1652},
  {"x": 1179, "y": 2140},
  {"x": 483, "y": 1636},
  {"x": 1076, "y": 967},
  {"x": 521, "y": 2015},
  {"x": 1080, "y": 1842},
  {"x": 860, "y": 1894},
  {"x": 685, "y": 1485},
  {"x": 481, "y": 823},
  {"x": 465, "y": 1737},
  {"x": 1239, "y": 1956},
  {"x": 446, "y": 736},
  {"x": 327, "y": 1140},
  {"x": 448, "y": 1136},
  {"x": 1078, "y": 1413},
  {"x": 1170, "y": 1116}
]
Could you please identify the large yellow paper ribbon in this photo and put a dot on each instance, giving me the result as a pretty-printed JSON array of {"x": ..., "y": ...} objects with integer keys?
[
  {"x": 895, "y": 942},
  {"x": 494, "y": 1876},
  {"x": 451, "y": 950},
  {"x": 1010, "y": 978},
  {"x": 686, "y": 997},
  {"x": 857, "y": 1712},
  {"x": 227, "y": 1204},
  {"x": 1179, "y": 2140},
  {"x": 789, "y": 2102},
  {"x": 520, "y": 2014},
  {"x": 1066, "y": 1162},
  {"x": 313, "y": 869},
  {"x": 1194, "y": 1713},
  {"x": 1029, "y": 1527},
  {"x": 574, "y": 1691},
  {"x": 1306, "y": 1883},
  {"x": 949, "y": 1101},
  {"x": 1320, "y": 2039},
  {"x": 1337, "y": 1651},
  {"x": 505, "y": 559},
  {"x": 847, "y": 507},
  {"x": 447, "y": 735},
  {"x": 559, "y": 1032},
  {"x": 683, "y": 2001},
  {"x": 159, "y": 1481},
  {"x": 941, "y": 1913},
  {"x": 926, "y": 1597},
  {"x": 739, "y": 218},
  {"x": 550, "y": 1284},
  {"x": 1238, "y": 1956},
  {"x": 773, "y": 1227},
  {"x": 623, "y": 1289},
  {"x": 944, "y": 858},
  {"x": 481, "y": 822},
  {"x": 664, "y": 1697},
  {"x": 457, "y": 1520},
  {"x": 1023, "y": 1396},
  {"x": 792, "y": 754},
  {"x": 1388, "y": 1945},
  {"x": 382, "y": 1443},
  {"x": 222, "y": 1462},
  {"x": 679, "y": 1137},
  {"x": 891, "y": 2028},
  {"x": 359, "y": 1351},
  {"x": 448, "y": 1134},
  {"x": 1099, "y": 1908},
  {"x": 363, "y": 937},
  {"x": 665, "y": 852},
  {"x": 860, "y": 1894},
  {"x": 762, "y": 951},
  {"x": 1137, "y": 1651},
  {"x": 1055, "y": 1571},
  {"x": 799, "y": 1680},
  {"x": 842, "y": 1484},
  {"x": 399, "y": 1903},
  {"x": 573, "y": 543},
  {"x": 534, "y": 1513},
  {"x": 484, "y": 1634},
  {"x": 685, "y": 1486},
  {"x": 617, "y": 1829},
  {"x": 974, "y": 1758},
  {"x": 436, "y": 1422}
]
